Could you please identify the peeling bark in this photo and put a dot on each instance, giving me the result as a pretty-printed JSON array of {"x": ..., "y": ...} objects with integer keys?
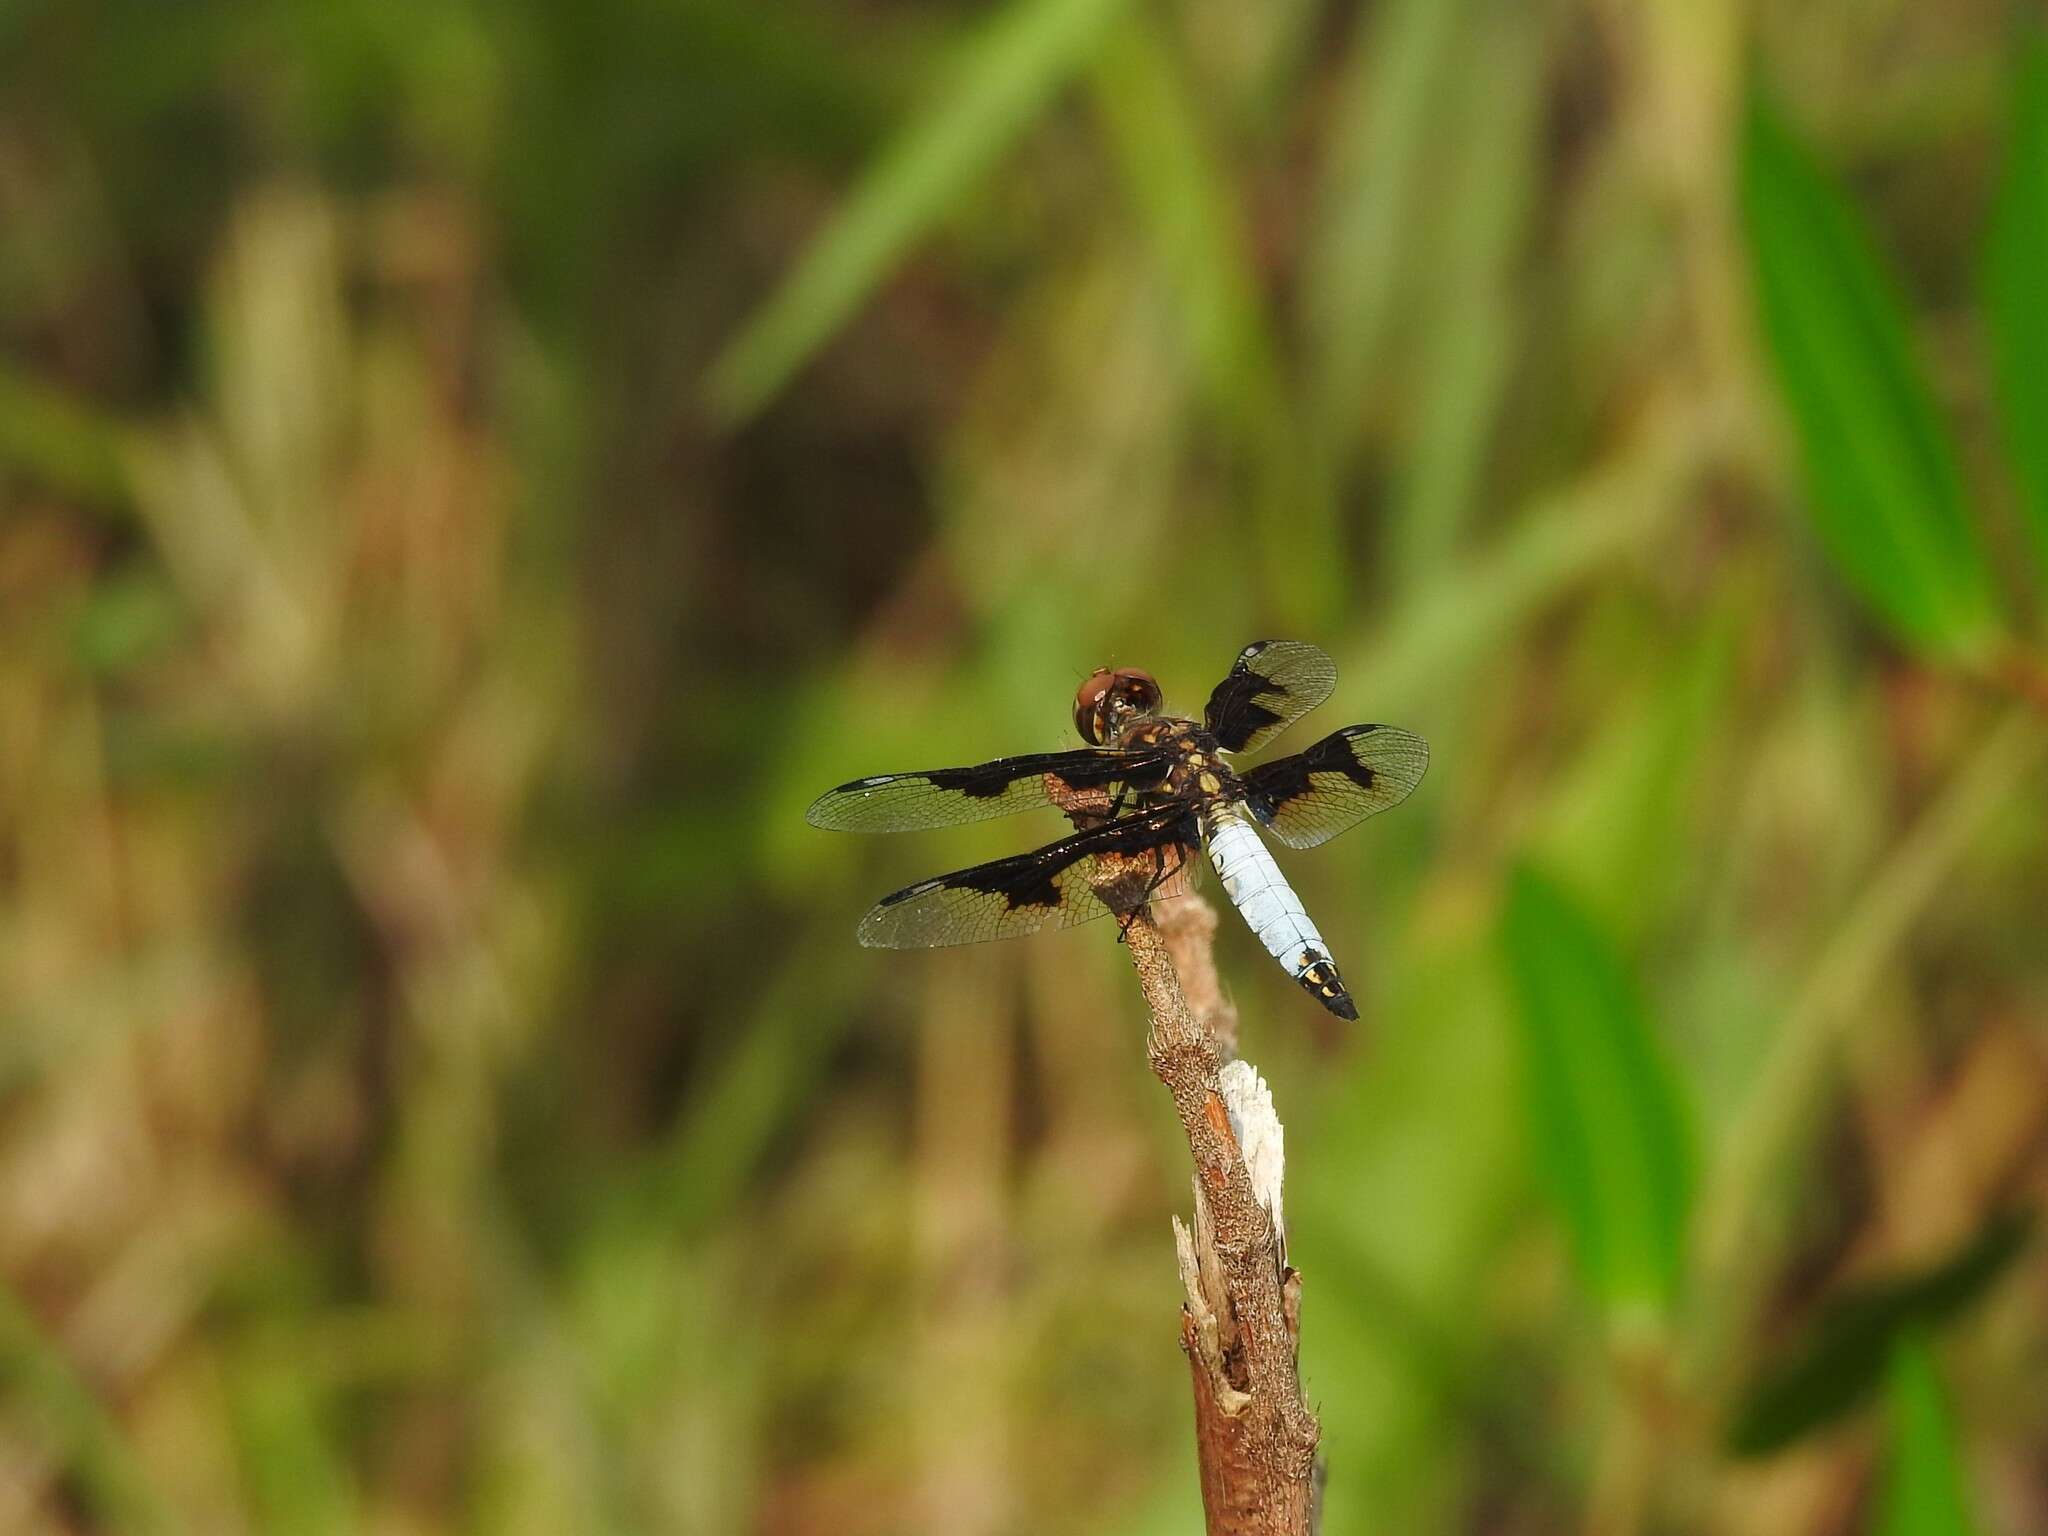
[{"x": 1241, "y": 1311}]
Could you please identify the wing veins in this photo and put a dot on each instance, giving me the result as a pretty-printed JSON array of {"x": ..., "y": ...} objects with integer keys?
[
  {"x": 944, "y": 797},
  {"x": 1272, "y": 684},
  {"x": 1054, "y": 886},
  {"x": 1328, "y": 788}
]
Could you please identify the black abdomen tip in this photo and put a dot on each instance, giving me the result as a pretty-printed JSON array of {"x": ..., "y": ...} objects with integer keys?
[{"x": 1322, "y": 982}]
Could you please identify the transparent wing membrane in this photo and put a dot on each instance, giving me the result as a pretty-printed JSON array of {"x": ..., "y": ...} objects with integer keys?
[
  {"x": 946, "y": 797},
  {"x": 1354, "y": 773},
  {"x": 1057, "y": 886},
  {"x": 1273, "y": 684}
]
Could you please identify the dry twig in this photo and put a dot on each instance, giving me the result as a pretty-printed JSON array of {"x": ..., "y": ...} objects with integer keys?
[{"x": 1240, "y": 1321}]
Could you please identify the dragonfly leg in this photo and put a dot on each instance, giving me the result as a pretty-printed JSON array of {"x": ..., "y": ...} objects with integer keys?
[{"x": 1161, "y": 873}]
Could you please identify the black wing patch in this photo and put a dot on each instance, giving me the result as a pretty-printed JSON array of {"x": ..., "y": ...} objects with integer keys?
[
  {"x": 1051, "y": 888},
  {"x": 1274, "y": 683},
  {"x": 946, "y": 797},
  {"x": 1359, "y": 771}
]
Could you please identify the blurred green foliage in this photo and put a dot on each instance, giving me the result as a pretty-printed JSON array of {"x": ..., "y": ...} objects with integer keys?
[
  {"x": 1887, "y": 496},
  {"x": 470, "y": 475},
  {"x": 1862, "y": 1329},
  {"x": 1924, "y": 1489},
  {"x": 2017, "y": 305},
  {"x": 1606, "y": 1121}
]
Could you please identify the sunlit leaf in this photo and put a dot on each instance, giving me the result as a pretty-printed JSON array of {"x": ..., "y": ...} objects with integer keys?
[
  {"x": 1007, "y": 75},
  {"x": 1923, "y": 1489},
  {"x": 2018, "y": 295},
  {"x": 1840, "y": 1365},
  {"x": 1883, "y": 487},
  {"x": 1609, "y": 1132}
]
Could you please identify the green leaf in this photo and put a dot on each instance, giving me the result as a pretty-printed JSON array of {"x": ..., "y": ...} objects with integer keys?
[
  {"x": 1884, "y": 491},
  {"x": 2017, "y": 296},
  {"x": 1923, "y": 1491},
  {"x": 1610, "y": 1135},
  {"x": 1005, "y": 78},
  {"x": 1843, "y": 1360}
]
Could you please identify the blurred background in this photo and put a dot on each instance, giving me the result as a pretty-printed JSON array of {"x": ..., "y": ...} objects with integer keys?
[{"x": 469, "y": 475}]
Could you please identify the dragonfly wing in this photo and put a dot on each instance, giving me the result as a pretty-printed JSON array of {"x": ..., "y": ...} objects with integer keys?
[
  {"x": 1056, "y": 886},
  {"x": 1273, "y": 684},
  {"x": 1354, "y": 773},
  {"x": 946, "y": 797}
]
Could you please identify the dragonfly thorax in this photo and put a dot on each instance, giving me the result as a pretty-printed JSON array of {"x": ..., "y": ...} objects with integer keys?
[{"x": 1195, "y": 771}]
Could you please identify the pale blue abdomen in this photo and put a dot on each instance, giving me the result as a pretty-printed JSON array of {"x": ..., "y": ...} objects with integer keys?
[{"x": 1260, "y": 891}]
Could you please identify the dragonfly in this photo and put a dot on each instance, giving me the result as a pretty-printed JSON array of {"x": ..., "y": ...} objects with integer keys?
[{"x": 1148, "y": 792}]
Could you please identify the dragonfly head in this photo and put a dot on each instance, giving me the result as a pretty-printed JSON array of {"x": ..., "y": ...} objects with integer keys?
[{"x": 1111, "y": 700}]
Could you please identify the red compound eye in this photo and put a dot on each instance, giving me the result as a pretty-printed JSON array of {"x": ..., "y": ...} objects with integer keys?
[{"x": 1111, "y": 696}]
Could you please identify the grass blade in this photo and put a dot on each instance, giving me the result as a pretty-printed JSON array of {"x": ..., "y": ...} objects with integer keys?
[
  {"x": 1772, "y": 1130},
  {"x": 297, "y": 1479},
  {"x": 46, "y": 1393},
  {"x": 1473, "y": 325},
  {"x": 1884, "y": 491},
  {"x": 1606, "y": 1115},
  {"x": 1190, "y": 211},
  {"x": 2015, "y": 296},
  {"x": 1923, "y": 1493},
  {"x": 1008, "y": 74},
  {"x": 1403, "y": 60},
  {"x": 1842, "y": 1362}
]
